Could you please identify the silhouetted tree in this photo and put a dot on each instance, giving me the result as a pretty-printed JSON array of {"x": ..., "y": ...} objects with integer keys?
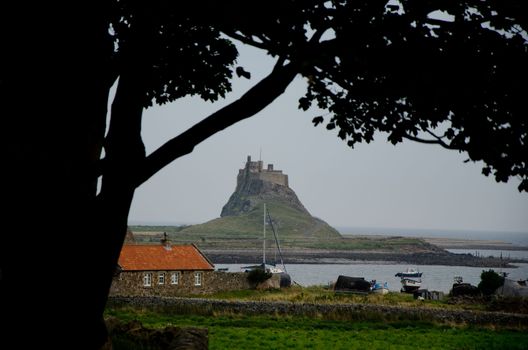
[
  {"x": 453, "y": 78},
  {"x": 489, "y": 282}
]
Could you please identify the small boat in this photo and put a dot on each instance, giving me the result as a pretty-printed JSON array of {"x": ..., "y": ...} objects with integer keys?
[
  {"x": 348, "y": 284},
  {"x": 379, "y": 288},
  {"x": 460, "y": 288},
  {"x": 410, "y": 272},
  {"x": 410, "y": 285}
]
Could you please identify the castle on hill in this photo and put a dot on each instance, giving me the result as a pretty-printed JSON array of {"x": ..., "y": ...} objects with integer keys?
[
  {"x": 255, "y": 184},
  {"x": 256, "y": 171},
  {"x": 258, "y": 184}
]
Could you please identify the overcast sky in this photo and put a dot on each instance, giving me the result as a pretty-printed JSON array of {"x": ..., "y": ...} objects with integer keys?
[{"x": 376, "y": 185}]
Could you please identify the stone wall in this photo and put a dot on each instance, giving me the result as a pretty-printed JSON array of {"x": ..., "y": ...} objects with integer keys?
[
  {"x": 131, "y": 283},
  {"x": 225, "y": 281},
  {"x": 329, "y": 311}
]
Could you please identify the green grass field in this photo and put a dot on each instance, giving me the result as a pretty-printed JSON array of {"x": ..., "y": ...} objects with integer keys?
[
  {"x": 324, "y": 295},
  {"x": 271, "y": 332}
]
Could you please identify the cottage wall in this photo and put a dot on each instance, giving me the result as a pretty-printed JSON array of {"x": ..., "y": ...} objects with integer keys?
[{"x": 131, "y": 283}]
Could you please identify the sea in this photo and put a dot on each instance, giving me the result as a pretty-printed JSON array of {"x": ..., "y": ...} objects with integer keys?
[
  {"x": 434, "y": 277},
  {"x": 515, "y": 238}
]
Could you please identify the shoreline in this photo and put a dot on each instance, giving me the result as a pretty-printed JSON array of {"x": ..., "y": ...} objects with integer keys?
[
  {"x": 470, "y": 244},
  {"x": 314, "y": 256},
  {"x": 432, "y": 251}
]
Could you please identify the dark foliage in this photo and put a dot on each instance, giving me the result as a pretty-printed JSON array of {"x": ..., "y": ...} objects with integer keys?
[
  {"x": 257, "y": 276},
  {"x": 456, "y": 81},
  {"x": 440, "y": 72},
  {"x": 489, "y": 282}
]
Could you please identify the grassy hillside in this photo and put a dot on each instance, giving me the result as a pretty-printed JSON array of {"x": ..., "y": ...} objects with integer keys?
[
  {"x": 289, "y": 223},
  {"x": 293, "y": 227},
  {"x": 295, "y": 230}
]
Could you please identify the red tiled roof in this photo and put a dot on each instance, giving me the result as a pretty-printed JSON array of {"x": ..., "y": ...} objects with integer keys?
[{"x": 157, "y": 257}]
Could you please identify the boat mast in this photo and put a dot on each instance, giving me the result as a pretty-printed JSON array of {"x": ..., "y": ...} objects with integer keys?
[
  {"x": 275, "y": 235},
  {"x": 264, "y": 240}
]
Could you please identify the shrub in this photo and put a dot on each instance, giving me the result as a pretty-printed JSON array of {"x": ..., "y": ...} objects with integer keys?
[
  {"x": 257, "y": 276},
  {"x": 489, "y": 282}
]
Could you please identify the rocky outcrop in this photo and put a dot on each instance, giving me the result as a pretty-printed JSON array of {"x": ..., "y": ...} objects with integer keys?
[
  {"x": 258, "y": 185},
  {"x": 253, "y": 191}
]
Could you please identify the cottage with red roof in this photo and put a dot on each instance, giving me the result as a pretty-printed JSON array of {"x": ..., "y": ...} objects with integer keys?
[{"x": 162, "y": 270}]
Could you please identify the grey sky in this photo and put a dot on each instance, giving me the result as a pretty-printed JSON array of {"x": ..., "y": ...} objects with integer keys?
[{"x": 374, "y": 185}]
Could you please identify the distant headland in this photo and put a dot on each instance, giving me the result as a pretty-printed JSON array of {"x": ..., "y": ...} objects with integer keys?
[{"x": 236, "y": 236}]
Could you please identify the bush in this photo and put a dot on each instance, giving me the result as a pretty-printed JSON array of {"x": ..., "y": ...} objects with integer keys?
[
  {"x": 489, "y": 282},
  {"x": 257, "y": 276}
]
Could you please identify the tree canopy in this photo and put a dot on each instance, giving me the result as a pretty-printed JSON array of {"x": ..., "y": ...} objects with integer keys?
[{"x": 441, "y": 72}]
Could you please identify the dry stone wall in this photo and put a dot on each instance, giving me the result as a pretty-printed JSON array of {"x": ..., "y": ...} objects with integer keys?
[{"x": 345, "y": 311}]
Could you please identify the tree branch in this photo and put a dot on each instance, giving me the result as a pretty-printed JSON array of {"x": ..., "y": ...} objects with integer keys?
[
  {"x": 245, "y": 40},
  {"x": 437, "y": 141},
  {"x": 252, "y": 102}
]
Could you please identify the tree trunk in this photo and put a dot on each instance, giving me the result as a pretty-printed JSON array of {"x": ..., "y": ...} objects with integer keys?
[
  {"x": 124, "y": 154},
  {"x": 54, "y": 85},
  {"x": 60, "y": 240}
]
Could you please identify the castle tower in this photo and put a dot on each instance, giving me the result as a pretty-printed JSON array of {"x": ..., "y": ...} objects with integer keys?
[{"x": 256, "y": 170}]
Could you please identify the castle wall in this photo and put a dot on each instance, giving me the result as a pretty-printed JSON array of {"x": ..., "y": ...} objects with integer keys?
[
  {"x": 256, "y": 170},
  {"x": 274, "y": 177}
]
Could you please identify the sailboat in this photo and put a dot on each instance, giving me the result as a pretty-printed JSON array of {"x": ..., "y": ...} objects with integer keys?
[{"x": 285, "y": 279}]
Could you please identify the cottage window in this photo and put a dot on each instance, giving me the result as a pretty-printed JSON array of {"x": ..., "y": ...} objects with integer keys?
[
  {"x": 161, "y": 278},
  {"x": 147, "y": 280},
  {"x": 197, "y": 278},
  {"x": 175, "y": 277}
]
